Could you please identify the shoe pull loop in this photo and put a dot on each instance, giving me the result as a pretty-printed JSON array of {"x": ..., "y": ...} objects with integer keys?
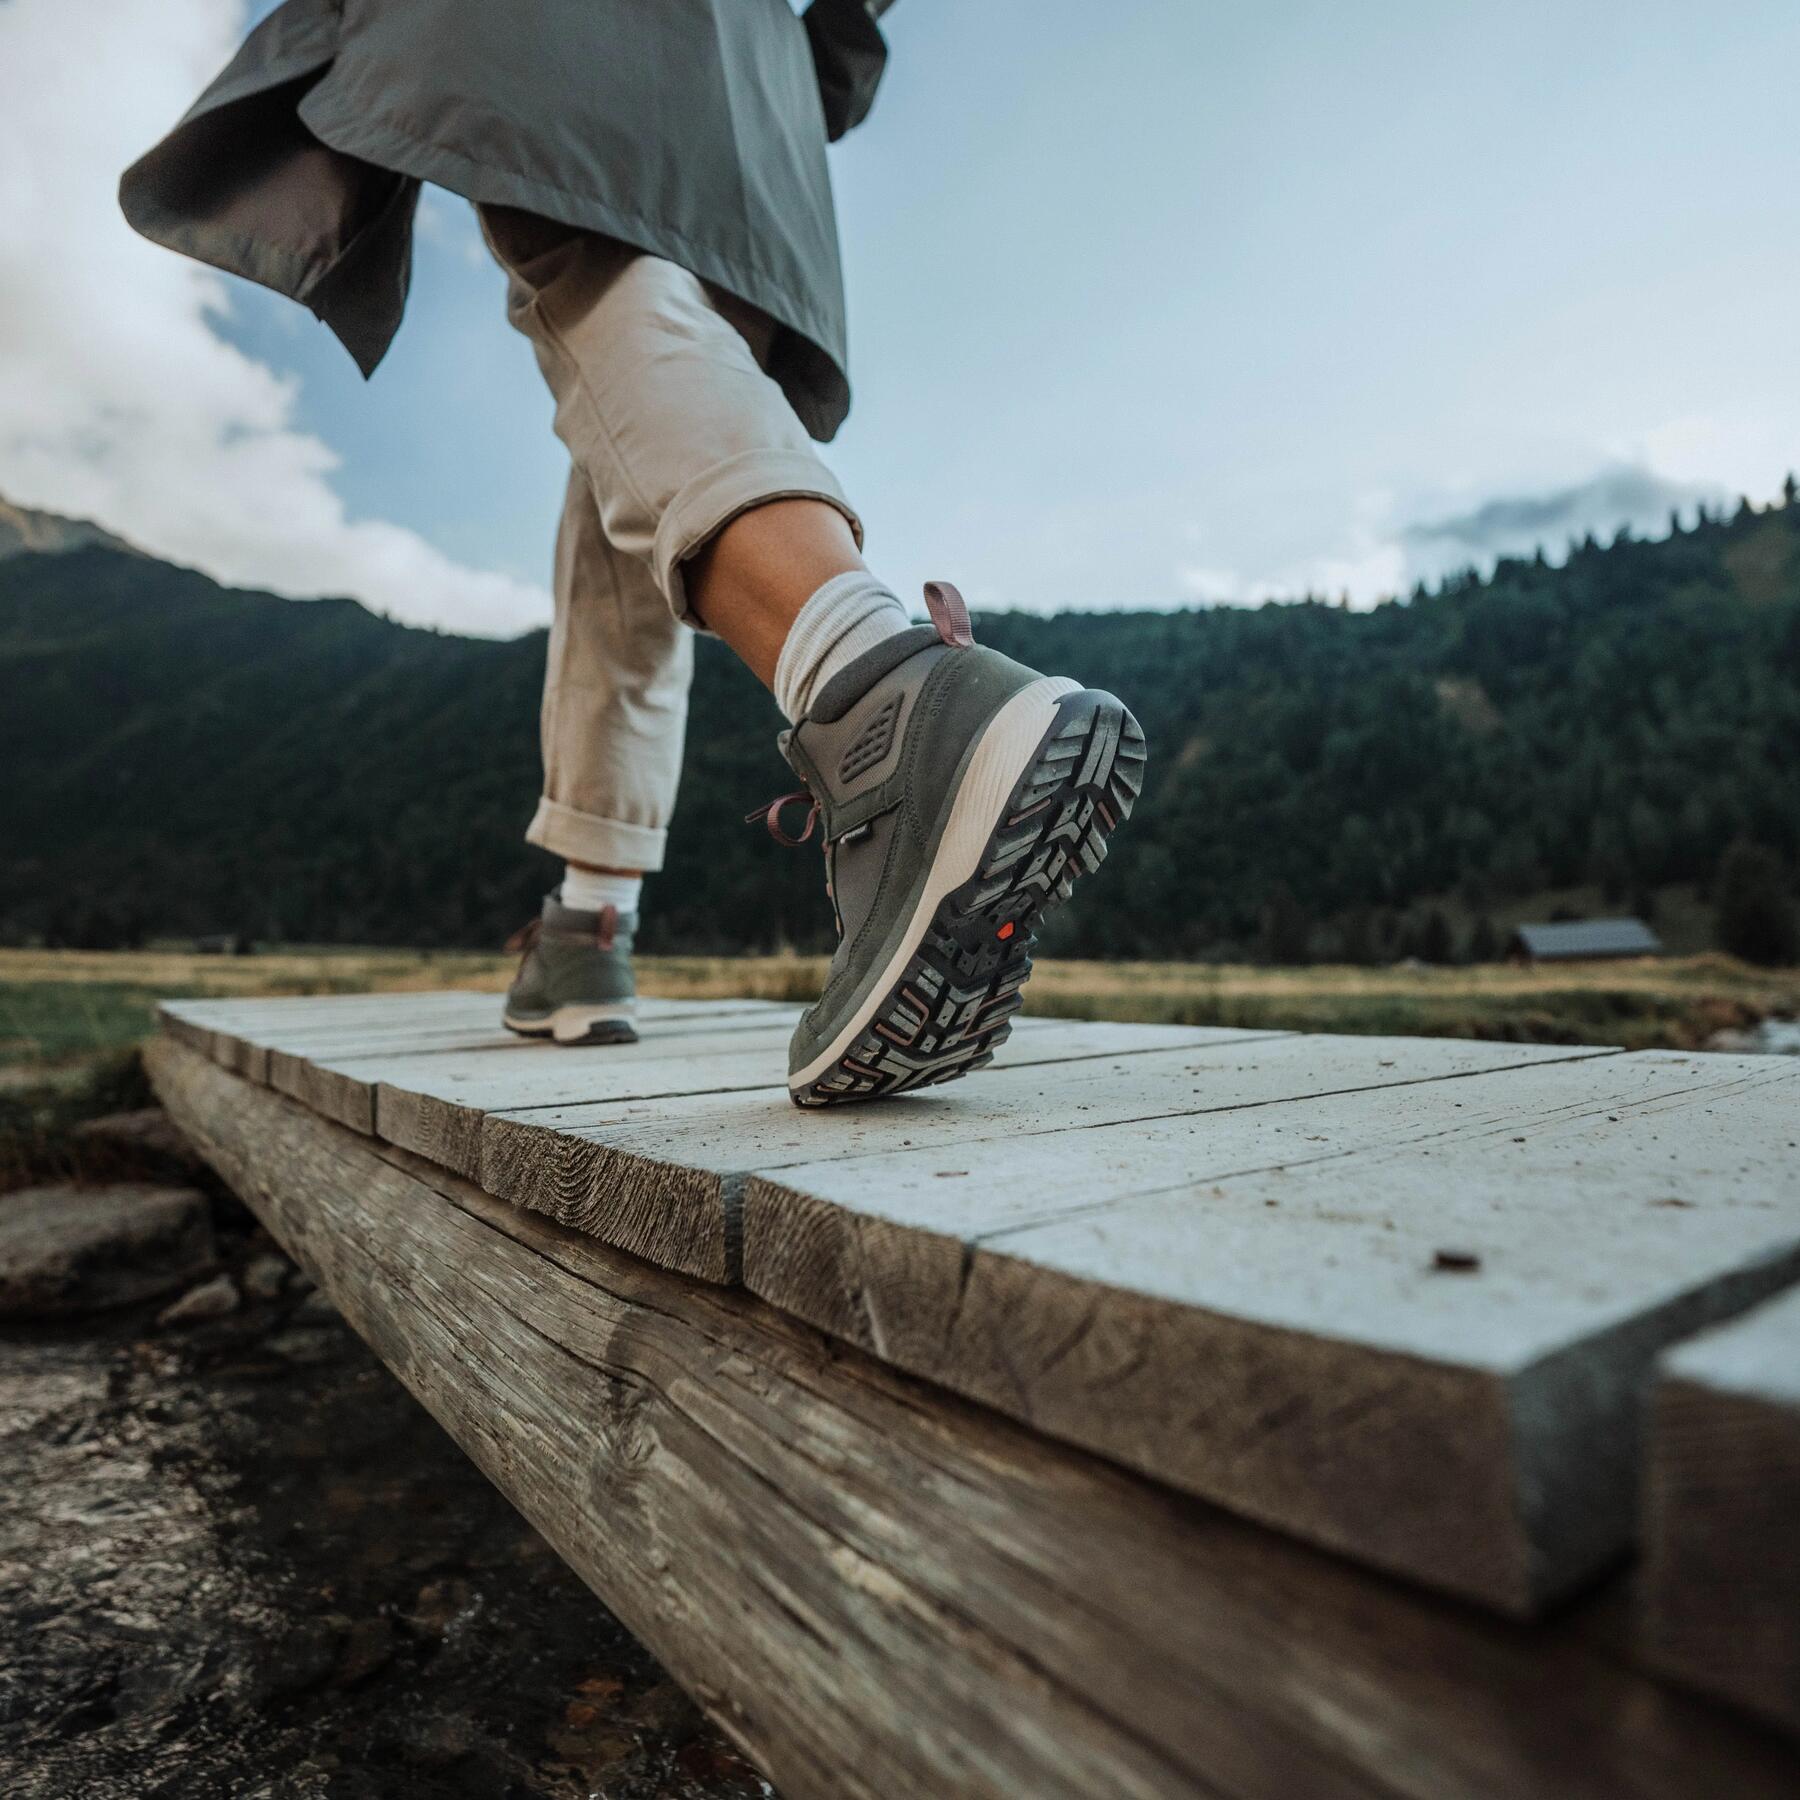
[
  {"x": 607, "y": 926},
  {"x": 525, "y": 938},
  {"x": 949, "y": 614},
  {"x": 770, "y": 815}
]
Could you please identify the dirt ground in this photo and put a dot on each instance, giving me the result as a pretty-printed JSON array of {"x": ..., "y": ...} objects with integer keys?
[{"x": 237, "y": 1559}]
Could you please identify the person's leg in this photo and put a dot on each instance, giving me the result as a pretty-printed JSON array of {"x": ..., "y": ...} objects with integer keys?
[
  {"x": 960, "y": 793},
  {"x": 614, "y": 716},
  {"x": 616, "y": 678},
  {"x": 749, "y": 582},
  {"x": 700, "y": 467}
]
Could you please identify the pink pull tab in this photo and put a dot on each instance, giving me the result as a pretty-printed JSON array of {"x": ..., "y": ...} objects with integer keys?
[{"x": 949, "y": 614}]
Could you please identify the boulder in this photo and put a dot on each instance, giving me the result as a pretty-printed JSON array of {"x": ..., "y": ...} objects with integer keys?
[
  {"x": 149, "y": 1131},
  {"x": 69, "y": 1250}
]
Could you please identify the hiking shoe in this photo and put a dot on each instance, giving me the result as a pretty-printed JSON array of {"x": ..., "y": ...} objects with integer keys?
[
  {"x": 960, "y": 794},
  {"x": 574, "y": 982}
]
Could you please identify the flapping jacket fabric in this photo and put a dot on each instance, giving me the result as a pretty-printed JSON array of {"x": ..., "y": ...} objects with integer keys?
[{"x": 693, "y": 129}]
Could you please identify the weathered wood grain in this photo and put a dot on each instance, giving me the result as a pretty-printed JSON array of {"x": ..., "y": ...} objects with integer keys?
[
  {"x": 1251, "y": 1304},
  {"x": 1721, "y": 1582},
  {"x": 239, "y": 1034},
  {"x": 247, "y": 1034},
  {"x": 437, "y": 1110},
  {"x": 315, "y": 1047},
  {"x": 882, "y": 1591},
  {"x": 647, "y": 1174},
  {"x": 338, "y": 1075}
]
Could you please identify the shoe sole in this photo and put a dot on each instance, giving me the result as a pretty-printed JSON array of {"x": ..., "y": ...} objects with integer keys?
[
  {"x": 572, "y": 1025},
  {"x": 1067, "y": 784}
]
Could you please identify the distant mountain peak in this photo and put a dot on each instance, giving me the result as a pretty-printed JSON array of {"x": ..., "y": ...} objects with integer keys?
[{"x": 22, "y": 529}]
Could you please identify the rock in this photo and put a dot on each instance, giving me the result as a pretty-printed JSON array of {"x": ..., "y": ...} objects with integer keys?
[
  {"x": 305, "y": 1349},
  {"x": 265, "y": 1276},
  {"x": 210, "y": 1300},
  {"x": 441, "y": 1604},
  {"x": 435, "y": 1740},
  {"x": 69, "y": 1250},
  {"x": 149, "y": 1131},
  {"x": 368, "y": 1645},
  {"x": 316, "y": 1309}
]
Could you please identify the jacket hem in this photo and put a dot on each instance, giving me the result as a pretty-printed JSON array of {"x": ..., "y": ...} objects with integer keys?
[{"x": 818, "y": 389}]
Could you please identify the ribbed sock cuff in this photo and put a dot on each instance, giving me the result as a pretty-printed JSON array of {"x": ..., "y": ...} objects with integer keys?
[
  {"x": 588, "y": 890},
  {"x": 849, "y": 615}
]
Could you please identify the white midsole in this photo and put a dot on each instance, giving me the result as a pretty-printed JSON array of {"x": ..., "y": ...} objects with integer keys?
[
  {"x": 569, "y": 1024},
  {"x": 1006, "y": 749}
]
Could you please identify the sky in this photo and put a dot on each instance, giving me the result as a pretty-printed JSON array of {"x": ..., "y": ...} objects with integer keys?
[{"x": 1151, "y": 303}]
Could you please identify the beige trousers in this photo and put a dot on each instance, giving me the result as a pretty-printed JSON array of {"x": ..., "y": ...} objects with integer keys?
[{"x": 673, "y": 429}]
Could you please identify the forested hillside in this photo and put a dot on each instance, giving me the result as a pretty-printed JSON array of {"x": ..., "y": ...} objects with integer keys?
[{"x": 179, "y": 758}]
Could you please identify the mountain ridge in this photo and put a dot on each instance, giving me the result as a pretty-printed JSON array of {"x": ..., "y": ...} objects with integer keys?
[
  {"x": 24, "y": 530},
  {"x": 183, "y": 758}
]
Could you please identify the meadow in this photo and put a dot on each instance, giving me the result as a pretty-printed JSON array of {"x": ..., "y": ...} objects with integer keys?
[{"x": 60, "y": 1010}]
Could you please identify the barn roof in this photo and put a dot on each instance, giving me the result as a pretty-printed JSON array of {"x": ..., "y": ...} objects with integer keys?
[{"x": 1589, "y": 937}]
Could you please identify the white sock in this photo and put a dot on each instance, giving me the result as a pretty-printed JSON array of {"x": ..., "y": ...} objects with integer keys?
[
  {"x": 851, "y": 613},
  {"x": 588, "y": 890}
]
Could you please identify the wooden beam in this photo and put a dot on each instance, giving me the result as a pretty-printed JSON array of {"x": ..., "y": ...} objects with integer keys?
[
  {"x": 1410, "y": 1323},
  {"x": 879, "y": 1590},
  {"x": 1722, "y": 1514}
]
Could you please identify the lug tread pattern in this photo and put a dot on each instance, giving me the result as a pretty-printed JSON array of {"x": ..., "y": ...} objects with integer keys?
[{"x": 954, "y": 1002}]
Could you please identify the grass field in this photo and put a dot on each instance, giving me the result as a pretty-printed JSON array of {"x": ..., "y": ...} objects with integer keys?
[{"x": 61, "y": 1009}]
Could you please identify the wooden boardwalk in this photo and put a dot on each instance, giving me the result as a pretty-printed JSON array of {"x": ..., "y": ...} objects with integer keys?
[{"x": 1398, "y": 1298}]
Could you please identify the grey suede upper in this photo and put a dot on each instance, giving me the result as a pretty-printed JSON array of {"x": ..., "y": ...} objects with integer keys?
[
  {"x": 567, "y": 965},
  {"x": 884, "y": 767}
]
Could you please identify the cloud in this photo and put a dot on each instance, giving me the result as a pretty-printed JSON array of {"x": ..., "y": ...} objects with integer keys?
[
  {"x": 119, "y": 401},
  {"x": 1386, "y": 547},
  {"x": 1366, "y": 562},
  {"x": 1514, "y": 524}
]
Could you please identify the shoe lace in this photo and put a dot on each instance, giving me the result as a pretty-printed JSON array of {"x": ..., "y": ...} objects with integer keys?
[{"x": 770, "y": 815}]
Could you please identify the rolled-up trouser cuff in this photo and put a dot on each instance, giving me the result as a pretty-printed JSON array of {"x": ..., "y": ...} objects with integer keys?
[
  {"x": 714, "y": 498},
  {"x": 587, "y": 838}
]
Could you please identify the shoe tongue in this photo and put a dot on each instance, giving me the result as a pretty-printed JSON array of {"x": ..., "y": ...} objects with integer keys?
[{"x": 850, "y": 683}]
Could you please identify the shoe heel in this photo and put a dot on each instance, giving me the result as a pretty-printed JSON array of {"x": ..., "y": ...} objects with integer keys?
[{"x": 1075, "y": 793}]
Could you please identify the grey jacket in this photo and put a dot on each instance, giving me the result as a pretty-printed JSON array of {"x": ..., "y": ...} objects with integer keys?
[{"x": 695, "y": 129}]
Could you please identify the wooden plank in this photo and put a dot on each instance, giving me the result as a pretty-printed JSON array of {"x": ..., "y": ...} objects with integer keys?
[
  {"x": 237, "y": 1034},
  {"x": 1250, "y": 1304},
  {"x": 644, "y": 1175},
  {"x": 1722, "y": 1514},
  {"x": 337, "y": 1074},
  {"x": 186, "y": 1022},
  {"x": 436, "y": 1108},
  {"x": 881, "y": 1591},
  {"x": 330, "y": 1021}
]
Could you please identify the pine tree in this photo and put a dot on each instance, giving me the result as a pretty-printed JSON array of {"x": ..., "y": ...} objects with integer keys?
[
  {"x": 1484, "y": 941},
  {"x": 1754, "y": 909},
  {"x": 1434, "y": 942},
  {"x": 1286, "y": 927}
]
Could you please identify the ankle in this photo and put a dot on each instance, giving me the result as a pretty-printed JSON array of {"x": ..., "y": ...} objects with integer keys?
[
  {"x": 592, "y": 890},
  {"x": 848, "y": 616}
]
